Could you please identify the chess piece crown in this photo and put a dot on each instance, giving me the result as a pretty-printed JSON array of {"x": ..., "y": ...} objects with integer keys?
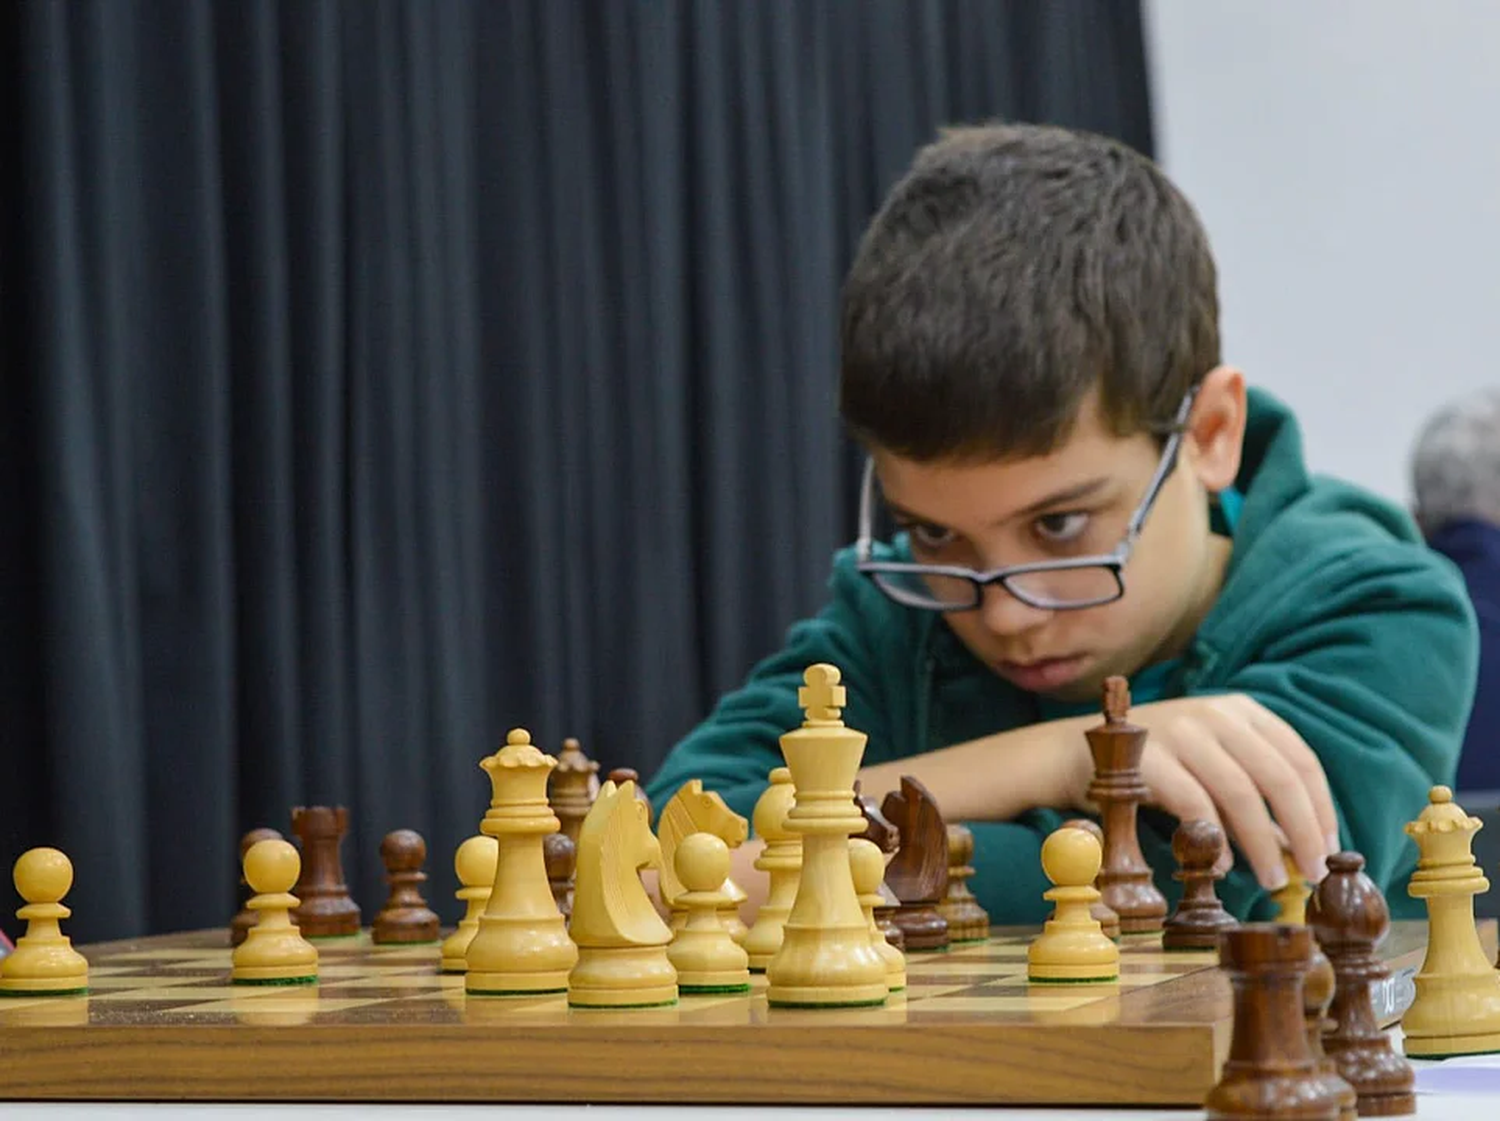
[
  {"x": 518, "y": 773},
  {"x": 1444, "y": 834}
]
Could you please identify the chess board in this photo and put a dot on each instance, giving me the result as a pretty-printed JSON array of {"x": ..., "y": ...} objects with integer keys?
[{"x": 162, "y": 1022}]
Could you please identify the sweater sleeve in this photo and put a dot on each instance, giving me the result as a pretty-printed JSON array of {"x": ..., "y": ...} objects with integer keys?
[
  {"x": 1008, "y": 881},
  {"x": 734, "y": 750},
  {"x": 1378, "y": 677}
]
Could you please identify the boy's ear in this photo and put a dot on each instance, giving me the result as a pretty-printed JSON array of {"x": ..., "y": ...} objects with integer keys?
[{"x": 1215, "y": 436}]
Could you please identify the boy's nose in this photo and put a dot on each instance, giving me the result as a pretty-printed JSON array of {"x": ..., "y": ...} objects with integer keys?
[{"x": 1004, "y": 614}]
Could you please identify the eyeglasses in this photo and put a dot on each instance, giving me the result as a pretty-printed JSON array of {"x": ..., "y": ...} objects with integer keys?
[{"x": 1057, "y": 585}]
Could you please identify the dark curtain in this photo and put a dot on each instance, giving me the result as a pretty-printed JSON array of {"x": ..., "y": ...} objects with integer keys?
[{"x": 380, "y": 376}]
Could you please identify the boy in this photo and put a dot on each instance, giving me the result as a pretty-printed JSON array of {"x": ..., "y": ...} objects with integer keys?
[{"x": 1030, "y": 357}]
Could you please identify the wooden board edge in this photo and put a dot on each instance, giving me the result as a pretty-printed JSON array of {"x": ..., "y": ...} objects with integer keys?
[{"x": 980, "y": 1065}]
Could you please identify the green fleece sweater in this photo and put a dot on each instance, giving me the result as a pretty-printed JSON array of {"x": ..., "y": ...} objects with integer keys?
[{"x": 1333, "y": 615}]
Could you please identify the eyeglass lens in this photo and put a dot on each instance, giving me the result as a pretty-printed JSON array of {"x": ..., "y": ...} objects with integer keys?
[{"x": 1061, "y": 587}]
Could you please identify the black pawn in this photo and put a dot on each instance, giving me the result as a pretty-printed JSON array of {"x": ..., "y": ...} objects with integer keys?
[
  {"x": 1200, "y": 916},
  {"x": 1350, "y": 918},
  {"x": 240, "y": 925},
  {"x": 405, "y": 916},
  {"x": 561, "y": 856}
]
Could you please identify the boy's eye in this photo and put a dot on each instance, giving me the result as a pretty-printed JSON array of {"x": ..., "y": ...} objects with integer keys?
[
  {"x": 1062, "y": 528},
  {"x": 930, "y": 537}
]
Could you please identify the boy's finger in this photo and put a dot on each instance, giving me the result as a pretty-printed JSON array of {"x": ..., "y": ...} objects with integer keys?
[
  {"x": 1283, "y": 790},
  {"x": 1174, "y": 789},
  {"x": 1306, "y": 763},
  {"x": 1245, "y": 813}
]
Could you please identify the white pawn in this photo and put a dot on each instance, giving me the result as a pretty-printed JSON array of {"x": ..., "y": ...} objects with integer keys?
[
  {"x": 867, "y": 863},
  {"x": 274, "y": 951},
  {"x": 44, "y": 962},
  {"x": 704, "y": 952},
  {"x": 475, "y": 863},
  {"x": 1072, "y": 945}
]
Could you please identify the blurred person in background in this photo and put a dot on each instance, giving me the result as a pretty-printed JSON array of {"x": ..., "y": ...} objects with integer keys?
[{"x": 1456, "y": 485}]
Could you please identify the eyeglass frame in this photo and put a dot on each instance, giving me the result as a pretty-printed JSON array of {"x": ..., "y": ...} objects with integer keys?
[{"x": 1114, "y": 561}]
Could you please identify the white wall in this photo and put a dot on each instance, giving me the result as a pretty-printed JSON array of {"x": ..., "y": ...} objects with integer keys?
[{"x": 1345, "y": 156}]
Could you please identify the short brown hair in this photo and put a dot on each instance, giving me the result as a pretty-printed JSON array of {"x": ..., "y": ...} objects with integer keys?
[{"x": 1014, "y": 269}]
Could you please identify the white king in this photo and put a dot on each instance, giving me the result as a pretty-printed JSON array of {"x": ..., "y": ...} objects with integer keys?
[{"x": 826, "y": 957}]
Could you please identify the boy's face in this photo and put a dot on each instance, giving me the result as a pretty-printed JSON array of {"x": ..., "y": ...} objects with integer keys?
[{"x": 1077, "y": 501}]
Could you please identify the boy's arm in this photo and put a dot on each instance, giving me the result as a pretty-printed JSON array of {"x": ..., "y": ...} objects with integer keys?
[
  {"x": 998, "y": 777},
  {"x": 1338, "y": 725},
  {"x": 735, "y": 749},
  {"x": 1379, "y": 681}
]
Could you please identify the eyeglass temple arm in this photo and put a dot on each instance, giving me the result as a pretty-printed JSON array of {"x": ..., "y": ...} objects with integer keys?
[
  {"x": 1163, "y": 469},
  {"x": 866, "y": 515}
]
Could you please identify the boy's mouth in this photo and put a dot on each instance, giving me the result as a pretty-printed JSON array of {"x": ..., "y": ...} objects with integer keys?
[{"x": 1041, "y": 676}]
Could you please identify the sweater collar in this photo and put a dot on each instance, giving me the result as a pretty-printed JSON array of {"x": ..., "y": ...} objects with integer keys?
[{"x": 1468, "y": 541}]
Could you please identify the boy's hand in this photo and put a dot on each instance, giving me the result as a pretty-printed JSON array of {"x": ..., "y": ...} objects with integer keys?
[{"x": 1230, "y": 760}]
